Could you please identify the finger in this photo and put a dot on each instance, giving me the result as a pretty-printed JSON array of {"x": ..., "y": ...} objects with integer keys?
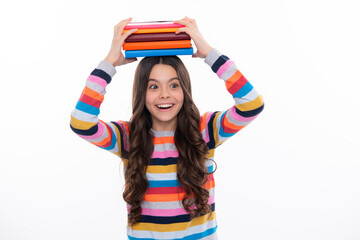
[
  {"x": 184, "y": 29},
  {"x": 128, "y": 33},
  {"x": 122, "y": 24},
  {"x": 195, "y": 55},
  {"x": 183, "y": 22},
  {"x": 130, "y": 60},
  {"x": 194, "y": 22}
]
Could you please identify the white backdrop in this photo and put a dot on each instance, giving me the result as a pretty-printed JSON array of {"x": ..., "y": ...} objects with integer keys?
[{"x": 292, "y": 174}]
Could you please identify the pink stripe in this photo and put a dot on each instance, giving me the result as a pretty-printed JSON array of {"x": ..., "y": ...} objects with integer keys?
[
  {"x": 124, "y": 139},
  {"x": 125, "y": 134},
  {"x": 165, "y": 154},
  {"x": 211, "y": 200},
  {"x": 224, "y": 67},
  {"x": 149, "y": 26},
  {"x": 97, "y": 80},
  {"x": 239, "y": 117},
  {"x": 163, "y": 212},
  {"x": 97, "y": 134},
  {"x": 207, "y": 138},
  {"x": 167, "y": 212}
]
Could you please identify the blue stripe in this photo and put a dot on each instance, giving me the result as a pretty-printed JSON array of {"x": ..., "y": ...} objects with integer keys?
[
  {"x": 101, "y": 74},
  {"x": 165, "y": 183},
  {"x": 158, "y": 52},
  {"x": 87, "y": 132},
  {"x": 244, "y": 90},
  {"x": 87, "y": 108},
  {"x": 124, "y": 153},
  {"x": 221, "y": 130},
  {"x": 201, "y": 235},
  {"x": 250, "y": 113},
  {"x": 219, "y": 62},
  {"x": 211, "y": 143},
  {"x": 165, "y": 220},
  {"x": 196, "y": 236},
  {"x": 225, "y": 134},
  {"x": 163, "y": 161},
  {"x": 113, "y": 142}
]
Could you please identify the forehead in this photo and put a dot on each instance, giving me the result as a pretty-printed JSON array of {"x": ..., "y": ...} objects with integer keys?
[{"x": 162, "y": 72}]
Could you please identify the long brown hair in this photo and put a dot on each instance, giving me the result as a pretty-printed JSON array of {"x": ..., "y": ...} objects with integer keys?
[{"x": 191, "y": 170}]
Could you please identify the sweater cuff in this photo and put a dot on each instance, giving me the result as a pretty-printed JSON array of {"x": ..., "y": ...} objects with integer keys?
[
  {"x": 212, "y": 56},
  {"x": 107, "y": 67}
]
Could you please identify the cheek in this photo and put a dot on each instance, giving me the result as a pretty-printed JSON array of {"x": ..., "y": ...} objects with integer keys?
[
  {"x": 180, "y": 97},
  {"x": 148, "y": 100}
]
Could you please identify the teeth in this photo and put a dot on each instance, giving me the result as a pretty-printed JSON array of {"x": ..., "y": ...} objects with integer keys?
[{"x": 164, "y": 106}]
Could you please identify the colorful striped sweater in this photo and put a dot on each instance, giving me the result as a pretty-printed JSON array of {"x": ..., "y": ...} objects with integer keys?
[{"x": 163, "y": 216}]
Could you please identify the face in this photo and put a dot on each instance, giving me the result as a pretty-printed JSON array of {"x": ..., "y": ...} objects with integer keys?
[{"x": 164, "y": 97}]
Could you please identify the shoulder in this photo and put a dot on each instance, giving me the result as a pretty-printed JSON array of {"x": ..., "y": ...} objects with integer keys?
[{"x": 122, "y": 126}]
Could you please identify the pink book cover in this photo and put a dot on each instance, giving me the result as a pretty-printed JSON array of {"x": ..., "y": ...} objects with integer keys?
[{"x": 153, "y": 24}]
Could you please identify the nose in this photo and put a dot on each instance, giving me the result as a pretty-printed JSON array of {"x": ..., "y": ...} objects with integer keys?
[{"x": 164, "y": 94}]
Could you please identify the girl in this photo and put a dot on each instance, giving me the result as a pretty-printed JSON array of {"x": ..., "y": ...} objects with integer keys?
[{"x": 167, "y": 148}]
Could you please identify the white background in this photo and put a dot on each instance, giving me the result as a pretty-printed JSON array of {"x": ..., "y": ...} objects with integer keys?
[{"x": 292, "y": 174}]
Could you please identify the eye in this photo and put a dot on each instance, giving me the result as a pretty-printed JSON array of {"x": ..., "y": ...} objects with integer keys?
[
  {"x": 174, "y": 85},
  {"x": 153, "y": 86}
]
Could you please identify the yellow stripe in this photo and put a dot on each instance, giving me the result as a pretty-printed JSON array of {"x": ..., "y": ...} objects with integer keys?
[
  {"x": 161, "y": 169},
  {"x": 174, "y": 226},
  {"x": 211, "y": 153},
  {"x": 118, "y": 136},
  {"x": 125, "y": 161},
  {"x": 81, "y": 125},
  {"x": 215, "y": 129},
  {"x": 251, "y": 105},
  {"x": 154, "y": 30}
]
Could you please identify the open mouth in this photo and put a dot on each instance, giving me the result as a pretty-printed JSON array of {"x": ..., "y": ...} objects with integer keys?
[{"x": 165, "y": 106}]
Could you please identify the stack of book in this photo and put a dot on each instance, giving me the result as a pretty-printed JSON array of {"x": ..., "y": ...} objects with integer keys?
[{"x": 156, "y": 39}]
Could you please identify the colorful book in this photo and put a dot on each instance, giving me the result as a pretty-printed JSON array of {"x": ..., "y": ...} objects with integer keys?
[
  {"x": 158, "y": 52},
  {"x": 153, "y": 24},
  {"x": 157, "y": 45},
  {"x": 152, "y": 37},
  {"x": 154, "y": 30}
]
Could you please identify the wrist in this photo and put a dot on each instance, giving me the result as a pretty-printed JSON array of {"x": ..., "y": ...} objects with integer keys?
[
  {"x": 110, "y": 60},
  {"x": 207, "y": 50}
]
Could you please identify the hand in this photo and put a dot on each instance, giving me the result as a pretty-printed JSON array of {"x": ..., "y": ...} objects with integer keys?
[
  {"x": 203, "y": 48},
  {"x": 115, "y": 55}
]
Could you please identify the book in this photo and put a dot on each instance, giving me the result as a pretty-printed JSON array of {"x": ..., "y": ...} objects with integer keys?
[
  {"x": 153, "y": 24},
  {"x": 158, "y": 52},
  {"x": 157, "y": 45},
  {"x": 154, "y": 30},
  {"x": 151, "y": 37}
]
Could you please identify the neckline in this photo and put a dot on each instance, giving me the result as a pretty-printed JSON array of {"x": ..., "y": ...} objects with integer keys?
[{"x": 162, "y": 133}]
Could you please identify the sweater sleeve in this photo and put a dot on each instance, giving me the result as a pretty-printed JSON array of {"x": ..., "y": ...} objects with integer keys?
[
  {"x": 217, "y": 127},
  {"x": 111, "y": 136}
]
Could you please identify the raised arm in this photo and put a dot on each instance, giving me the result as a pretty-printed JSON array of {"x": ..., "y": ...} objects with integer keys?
[
  {"x": 112, "y": 136},
  {"x": 217, "y": 127}
]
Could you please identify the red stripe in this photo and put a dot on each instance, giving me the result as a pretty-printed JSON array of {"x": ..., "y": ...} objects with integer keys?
[
  {"x": 110, "y": 136},
  {"x": 91, "y": 101},
  {"x": 165, "y": 190},
  {"x": 226, "y": 128},
  {"x": 171, "y": 190},
  {"x": 211, "y": 177},
  {"x": 237, "y": 85}
]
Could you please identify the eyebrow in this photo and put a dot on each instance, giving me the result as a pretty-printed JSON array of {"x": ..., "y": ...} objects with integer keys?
[{"x": 171, "y": 79}]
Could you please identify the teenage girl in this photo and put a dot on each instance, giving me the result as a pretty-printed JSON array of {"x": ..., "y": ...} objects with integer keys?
[{"x": 167, "y": 148}]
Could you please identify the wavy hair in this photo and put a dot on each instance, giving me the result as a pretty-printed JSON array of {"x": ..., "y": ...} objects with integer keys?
[{"x": 191, "y": 169}]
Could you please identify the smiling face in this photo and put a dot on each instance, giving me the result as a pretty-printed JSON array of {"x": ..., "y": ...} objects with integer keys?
[{"x": 164, "y": 97}]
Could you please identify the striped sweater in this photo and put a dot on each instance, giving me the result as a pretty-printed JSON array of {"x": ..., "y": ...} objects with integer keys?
[{"x": 163, "y": 216}]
